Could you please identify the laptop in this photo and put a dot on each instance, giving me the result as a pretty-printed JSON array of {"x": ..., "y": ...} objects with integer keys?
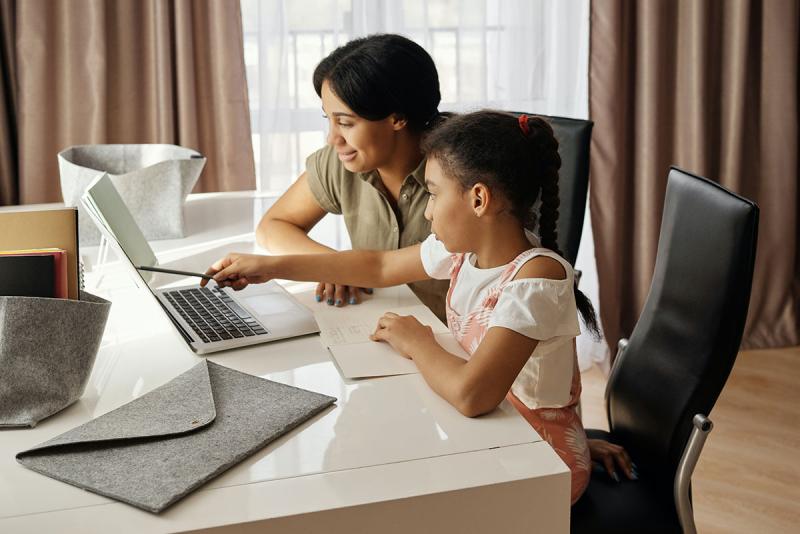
[{"x": 209, "y": 319}]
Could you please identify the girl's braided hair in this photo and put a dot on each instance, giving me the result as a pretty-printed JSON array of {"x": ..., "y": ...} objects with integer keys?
[{"x": 517, "y": 157}]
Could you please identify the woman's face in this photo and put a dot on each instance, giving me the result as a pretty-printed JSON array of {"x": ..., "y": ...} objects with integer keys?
[
  {"x": 448, "y": 209},
  {"x": 362, "y": 145}
]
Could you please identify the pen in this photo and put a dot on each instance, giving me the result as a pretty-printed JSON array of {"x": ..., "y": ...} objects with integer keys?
[{"x": 173, "y": 271}]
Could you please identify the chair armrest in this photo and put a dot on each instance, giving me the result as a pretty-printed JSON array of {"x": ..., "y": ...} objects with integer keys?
[
  {"x": 622, "y": 344},
  {"x": 683, "y": 476}
]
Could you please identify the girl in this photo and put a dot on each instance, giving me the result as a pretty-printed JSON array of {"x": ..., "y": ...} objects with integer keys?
[{"x": 512, "y": 305}]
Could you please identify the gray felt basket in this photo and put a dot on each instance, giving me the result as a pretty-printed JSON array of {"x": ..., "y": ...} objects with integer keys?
[
  {"x": 47, "y": 350},
  {"x": 153, "y": 180}
]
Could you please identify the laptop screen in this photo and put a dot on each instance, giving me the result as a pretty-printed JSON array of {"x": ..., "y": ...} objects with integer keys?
[{"x": 112, "y": 216}]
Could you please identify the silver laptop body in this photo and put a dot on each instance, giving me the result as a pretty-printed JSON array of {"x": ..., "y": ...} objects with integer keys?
[
  {"x": 209, "y": 319},
  {"x": 256, "y": 314}
]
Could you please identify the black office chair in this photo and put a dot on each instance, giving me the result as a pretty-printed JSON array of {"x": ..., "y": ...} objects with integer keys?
[
  {"x": 667, "y": 377},
  {"x": 574, "y": 139}
]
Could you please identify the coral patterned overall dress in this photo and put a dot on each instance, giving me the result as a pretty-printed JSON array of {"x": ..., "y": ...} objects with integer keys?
[{"x": 560, "y": 427}]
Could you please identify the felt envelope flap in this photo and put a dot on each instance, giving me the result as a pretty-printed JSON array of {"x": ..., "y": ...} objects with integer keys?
[
  {"x": 180, "y": 406},
  {"x": 160, "y": 455}
]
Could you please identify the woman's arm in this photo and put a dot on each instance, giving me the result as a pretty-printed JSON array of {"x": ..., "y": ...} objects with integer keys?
[
  {"x": 284, "y": 230},
  {"x": 284, "y": 227},
  {"x": 365, "y": 268}
]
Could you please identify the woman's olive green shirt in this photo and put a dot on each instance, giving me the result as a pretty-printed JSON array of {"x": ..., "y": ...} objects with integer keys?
[{"x": 371, "y": 221}]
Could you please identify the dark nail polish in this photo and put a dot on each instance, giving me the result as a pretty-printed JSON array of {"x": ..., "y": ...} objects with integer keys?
[
  {"x": 368, "y": 290},
  {"x": 338, "y": 302},
  {"x": 330, "y": 302},
  {"x": 353, "y": 301},
  {"x": 319, "y": 298}
]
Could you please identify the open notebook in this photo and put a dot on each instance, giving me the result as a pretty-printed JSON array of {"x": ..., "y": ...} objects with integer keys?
[{"x": 346, "y": 335}]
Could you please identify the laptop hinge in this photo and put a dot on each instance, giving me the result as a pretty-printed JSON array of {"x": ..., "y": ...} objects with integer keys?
[{"x": 178, "y": 325}]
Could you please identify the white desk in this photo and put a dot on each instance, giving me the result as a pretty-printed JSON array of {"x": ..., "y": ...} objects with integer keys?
[{"x": 390, "y": 456}]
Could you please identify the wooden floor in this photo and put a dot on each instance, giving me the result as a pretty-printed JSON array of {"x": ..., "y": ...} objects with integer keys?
[{"x": 748, "y": 477}]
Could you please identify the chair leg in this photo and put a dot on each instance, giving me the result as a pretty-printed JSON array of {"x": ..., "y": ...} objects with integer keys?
[{"x": 683, "y": 476}]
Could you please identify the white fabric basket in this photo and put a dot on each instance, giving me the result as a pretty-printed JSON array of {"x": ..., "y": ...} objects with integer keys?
[{"x": 153, "y": 180}]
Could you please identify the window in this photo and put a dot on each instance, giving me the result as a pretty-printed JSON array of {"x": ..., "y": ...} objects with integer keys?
[{"x": 489, "y": 53}]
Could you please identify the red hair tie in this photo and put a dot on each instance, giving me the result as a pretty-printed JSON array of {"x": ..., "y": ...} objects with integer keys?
[{"x": 523, "y": 124}]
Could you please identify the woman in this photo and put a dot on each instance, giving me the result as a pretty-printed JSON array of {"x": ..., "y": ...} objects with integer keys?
[{"x": 380, "y": 95}]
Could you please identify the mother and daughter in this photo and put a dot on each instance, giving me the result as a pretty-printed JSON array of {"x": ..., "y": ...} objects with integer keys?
[{"x": 447, "y": 200}]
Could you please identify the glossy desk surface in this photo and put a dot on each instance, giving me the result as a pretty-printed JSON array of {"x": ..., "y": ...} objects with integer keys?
[{"x": 385, "y": 439}]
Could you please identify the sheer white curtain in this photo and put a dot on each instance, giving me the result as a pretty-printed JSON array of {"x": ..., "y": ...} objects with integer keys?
[
  {"x": 509, "y": 54},
  {"x": 525, "y": 55}
]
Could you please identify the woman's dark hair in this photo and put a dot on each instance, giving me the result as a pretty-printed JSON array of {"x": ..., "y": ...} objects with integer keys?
[
  {"x": 517, "y": 157},
  {"x": 383, "y": 74}
]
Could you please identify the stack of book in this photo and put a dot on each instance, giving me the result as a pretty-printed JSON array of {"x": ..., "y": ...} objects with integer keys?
[
  {"x": 39, "y": 253},
  {"x": 34, "y": 273}
]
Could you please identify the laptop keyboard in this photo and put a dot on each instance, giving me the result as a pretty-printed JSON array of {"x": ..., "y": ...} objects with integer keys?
[{"x": 213, "y": 315}]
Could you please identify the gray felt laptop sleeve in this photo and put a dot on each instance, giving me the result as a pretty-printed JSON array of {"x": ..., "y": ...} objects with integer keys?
[{"x": 158, "y": 448}]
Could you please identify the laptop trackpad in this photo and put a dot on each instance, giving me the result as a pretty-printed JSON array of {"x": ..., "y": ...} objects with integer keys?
[{"x": 273, "y": 303}]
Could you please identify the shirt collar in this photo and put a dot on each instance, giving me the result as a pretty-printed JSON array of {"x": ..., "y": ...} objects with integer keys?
[{"x": 417, "y": 174}]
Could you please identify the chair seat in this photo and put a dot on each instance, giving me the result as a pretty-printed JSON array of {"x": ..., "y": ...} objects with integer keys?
[{"x": 625, "y": 506}]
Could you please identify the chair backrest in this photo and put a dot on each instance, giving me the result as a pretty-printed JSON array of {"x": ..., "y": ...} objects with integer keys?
[
  {"x": 574, "y": 139},
  {"x": 684, "y": 345}
]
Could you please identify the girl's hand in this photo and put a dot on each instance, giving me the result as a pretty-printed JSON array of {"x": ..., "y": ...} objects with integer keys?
[
  {"x": 404, "y": 333},
  {"x": 238, "y": 270},
  {"x": 612, "y": 456}
]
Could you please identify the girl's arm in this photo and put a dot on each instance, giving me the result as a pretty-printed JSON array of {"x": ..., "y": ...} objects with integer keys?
[
  {"x": 477, "y": 386},
  {"x": 362, "y": 268},
  {"x": 474, "y": 387}
]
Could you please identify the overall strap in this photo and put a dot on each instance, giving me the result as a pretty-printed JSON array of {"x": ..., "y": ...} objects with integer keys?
[
  {"x": 455, "y": 268},
  {"x": 516, "y": 264}
]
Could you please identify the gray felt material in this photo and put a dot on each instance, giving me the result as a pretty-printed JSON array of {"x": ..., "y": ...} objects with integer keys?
[
  {"x": 153, "y": 180},
  {"x": 47, "y": 350},
  {"x": 158, "y": 448}
]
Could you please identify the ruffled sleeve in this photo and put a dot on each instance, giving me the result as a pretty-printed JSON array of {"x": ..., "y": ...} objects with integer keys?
[
  {"x": 436, "y": 259},
  {"x": 538, "y": 308}
]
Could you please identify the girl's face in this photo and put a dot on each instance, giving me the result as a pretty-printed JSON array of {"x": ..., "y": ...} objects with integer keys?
[
  {"x": 362, "y": 145},
  {"x": 448, "y": 209}
]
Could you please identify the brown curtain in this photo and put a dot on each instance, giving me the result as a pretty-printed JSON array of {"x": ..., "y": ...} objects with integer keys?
[
  {"x": 712, "y": 87},
  {"x": 9, "y": 193},
  {"x": 129, "y": 71}
]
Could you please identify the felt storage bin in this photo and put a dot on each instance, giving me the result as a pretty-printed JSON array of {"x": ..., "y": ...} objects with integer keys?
[
  {"x": 47, "y": 350},
  {"x": 153, "y": 180}
]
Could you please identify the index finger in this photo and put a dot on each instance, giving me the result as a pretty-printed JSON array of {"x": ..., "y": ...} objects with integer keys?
[
  {"x": 608, "y": 463},
  {"x": 220, "y": 264},
  {"x": 211, "y": 271},
  {"x": 624, "y": 461}
]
